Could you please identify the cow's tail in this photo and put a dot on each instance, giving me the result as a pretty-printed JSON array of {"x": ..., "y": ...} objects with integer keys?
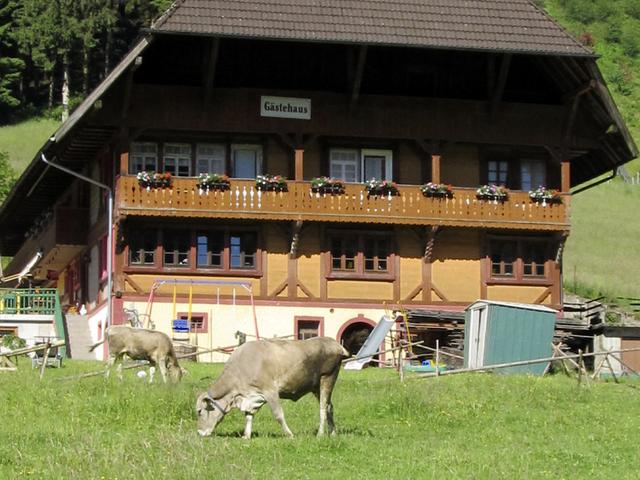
[{"x": 95, "y": 345}]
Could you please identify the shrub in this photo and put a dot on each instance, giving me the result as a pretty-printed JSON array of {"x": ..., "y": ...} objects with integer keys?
[
  {"x": 7, "y": 176},
  {"x": 630, "y": 39}
]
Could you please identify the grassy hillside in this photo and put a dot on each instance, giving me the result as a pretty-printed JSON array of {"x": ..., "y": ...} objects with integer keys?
[
  {"x": 612, "y": 29},
  {"x": 601, "y": 255},
  {"x": 22, "y": 141},
  {"x": 464, "y": 426}
]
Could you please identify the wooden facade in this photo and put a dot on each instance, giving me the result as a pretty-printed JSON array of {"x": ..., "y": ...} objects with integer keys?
[{"x": 333, "y": 261}]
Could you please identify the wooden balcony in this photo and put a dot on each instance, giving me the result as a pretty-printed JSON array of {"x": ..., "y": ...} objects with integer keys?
[{"x": 411, "y": 207}]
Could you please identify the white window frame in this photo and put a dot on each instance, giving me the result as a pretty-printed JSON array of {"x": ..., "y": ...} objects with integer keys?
[
  {"x": 356, "y": 162},
  {"x": 210, "y": 158},
  {"x": 246, "y": 146},
  {"x": 388, "y": 162},
  {"x": 180, "y": 158},
  {"x": 138, "y": 159}
]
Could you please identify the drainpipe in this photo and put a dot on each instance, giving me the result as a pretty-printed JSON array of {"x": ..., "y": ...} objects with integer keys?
[{"x": 109, "y": 229}]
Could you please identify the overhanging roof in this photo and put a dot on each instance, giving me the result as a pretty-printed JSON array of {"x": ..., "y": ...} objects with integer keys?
[
  {"x": 517, "y": 26},
  {"x": 487, "y": 25}
]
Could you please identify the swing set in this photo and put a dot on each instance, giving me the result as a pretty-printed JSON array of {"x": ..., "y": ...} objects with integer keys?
[{"x": 191, "y": 283}]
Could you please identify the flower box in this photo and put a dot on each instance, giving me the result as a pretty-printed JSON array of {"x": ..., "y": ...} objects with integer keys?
[
  {"x": 327, "y": 185},
  {"x": 151, "y": 180},
  {"x": 437, "y": 190},
  {"x": 493, "y": 192},
  {"x": 381, "y": 187},
  {"x": 213, "y": 181},
  {"x": 545, "y": 195},
  {"x": 271, "y": 183}
]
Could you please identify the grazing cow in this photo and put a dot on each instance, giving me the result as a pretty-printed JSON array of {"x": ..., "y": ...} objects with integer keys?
[
  {"x": 142, "y": 344},
  {"x": 267, "y": 370}
]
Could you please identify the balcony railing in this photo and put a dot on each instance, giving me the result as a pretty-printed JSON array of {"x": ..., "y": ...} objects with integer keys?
[
  {"x": 31, "y": 301},
  {"x": 411, "y": 207}
]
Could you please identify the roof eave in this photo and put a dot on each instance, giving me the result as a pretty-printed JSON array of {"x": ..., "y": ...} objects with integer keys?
[{"x": 586, "y": 54}]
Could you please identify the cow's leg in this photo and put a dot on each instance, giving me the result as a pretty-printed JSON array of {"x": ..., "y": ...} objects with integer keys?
[
  {"x": 118, "y": 360},
  {"x": 247, "y": 426},
  {"x": 276, "y": 408},
  {"x": 112, "y": 361},
  {"x": 163, "y": 369},
  {"x": 327, "y": 383},
  {"x": 152, "y": 371},
  {"x": 330, "y": 424}
]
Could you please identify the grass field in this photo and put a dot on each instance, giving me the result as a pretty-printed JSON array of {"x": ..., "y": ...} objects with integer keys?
[
  {"x": 466, "y": 426},
  {"x": 601, "y": 254},
  {"x": 22, "y": 140}
]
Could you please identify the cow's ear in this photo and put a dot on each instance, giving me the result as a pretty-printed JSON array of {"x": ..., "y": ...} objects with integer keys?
[{"x": 208, "y": 403}]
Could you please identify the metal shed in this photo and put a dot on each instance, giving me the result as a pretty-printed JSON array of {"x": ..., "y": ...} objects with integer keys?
[{"x": 501, "y": 332}]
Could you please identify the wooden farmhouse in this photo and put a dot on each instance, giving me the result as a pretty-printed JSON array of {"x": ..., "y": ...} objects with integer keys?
[{"x": 455, "y": 134}]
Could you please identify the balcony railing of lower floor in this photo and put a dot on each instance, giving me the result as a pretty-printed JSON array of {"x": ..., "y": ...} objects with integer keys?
[{"x": 410, "y": 207}]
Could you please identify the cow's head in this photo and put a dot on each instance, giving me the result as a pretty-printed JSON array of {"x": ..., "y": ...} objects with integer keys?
[
  {"x": 210, "y": 413},
  {"x": 176, "y": 373}
]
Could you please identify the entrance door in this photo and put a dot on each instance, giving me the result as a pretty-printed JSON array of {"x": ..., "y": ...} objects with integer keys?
[{"x": 477, "y": 333}]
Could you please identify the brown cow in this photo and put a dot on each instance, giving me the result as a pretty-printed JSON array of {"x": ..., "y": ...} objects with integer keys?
[
  {"x": 142, "y": 344},
  {"x": 267, "y": 370}
]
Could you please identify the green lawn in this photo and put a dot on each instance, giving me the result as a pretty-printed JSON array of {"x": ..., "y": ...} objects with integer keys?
[
  {"x": 464, "y": 426},
  {"x": 23, "y": 140},
  {"x": 601, "y": 255}
]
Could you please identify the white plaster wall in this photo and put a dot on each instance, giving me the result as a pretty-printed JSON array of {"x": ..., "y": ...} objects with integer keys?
[
  {"x": 97, "y": 321},
  {"x": 226, "y": 320},
  {"x": 29, "y": 330}
]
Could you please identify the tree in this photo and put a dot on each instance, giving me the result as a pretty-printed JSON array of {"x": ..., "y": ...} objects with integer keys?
[{"x": 10, "y": 66}]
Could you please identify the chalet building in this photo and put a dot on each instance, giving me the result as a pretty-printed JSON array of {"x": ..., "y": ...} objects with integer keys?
[{"x": 461, "y": 95}]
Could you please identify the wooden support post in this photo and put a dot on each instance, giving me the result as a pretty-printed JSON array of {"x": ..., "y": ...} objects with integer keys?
[
  {"x": 44, "y": 359},
  {"x": 565, "y": 176},
  {"x": 437, "y": 358},
  {"x": 613, "y": 373},
  {"x": 435, "y": 168},
  {"x": 299, "y": 164},
  {"x": 619, "y": 359}
]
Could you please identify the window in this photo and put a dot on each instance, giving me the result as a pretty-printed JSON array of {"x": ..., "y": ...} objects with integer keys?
[
  {"x": 353, "y": 254},
  {"x": 376, "y": 254},
  {"x": 176, "y": 245},
  {"x": 519, "y": 260},
  {"x": 344, "y": 165},
  {"x": 376, "y": 164},
  {"x": 210, "y": 158},
  {"x": 353, "y": 165},
  {"x": 142, "y": 248},
  {"x": 210, "y": 249},
  {"x": 497, "y": 172},
  {"x": 8, "y": 331},
  {"x": 177, "y": 159},
  {"x": 246, "y": 160},
  {"x": 242, "y": 250},
  {"x": 143, "y": 156},
  {"x": 227, "y": 251},
  {"x": 199, "y": 321},
  {"x": 503, "y": 258},
  {"x": 307, "y": 329},
  {"x": 533, "y": 174}
]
